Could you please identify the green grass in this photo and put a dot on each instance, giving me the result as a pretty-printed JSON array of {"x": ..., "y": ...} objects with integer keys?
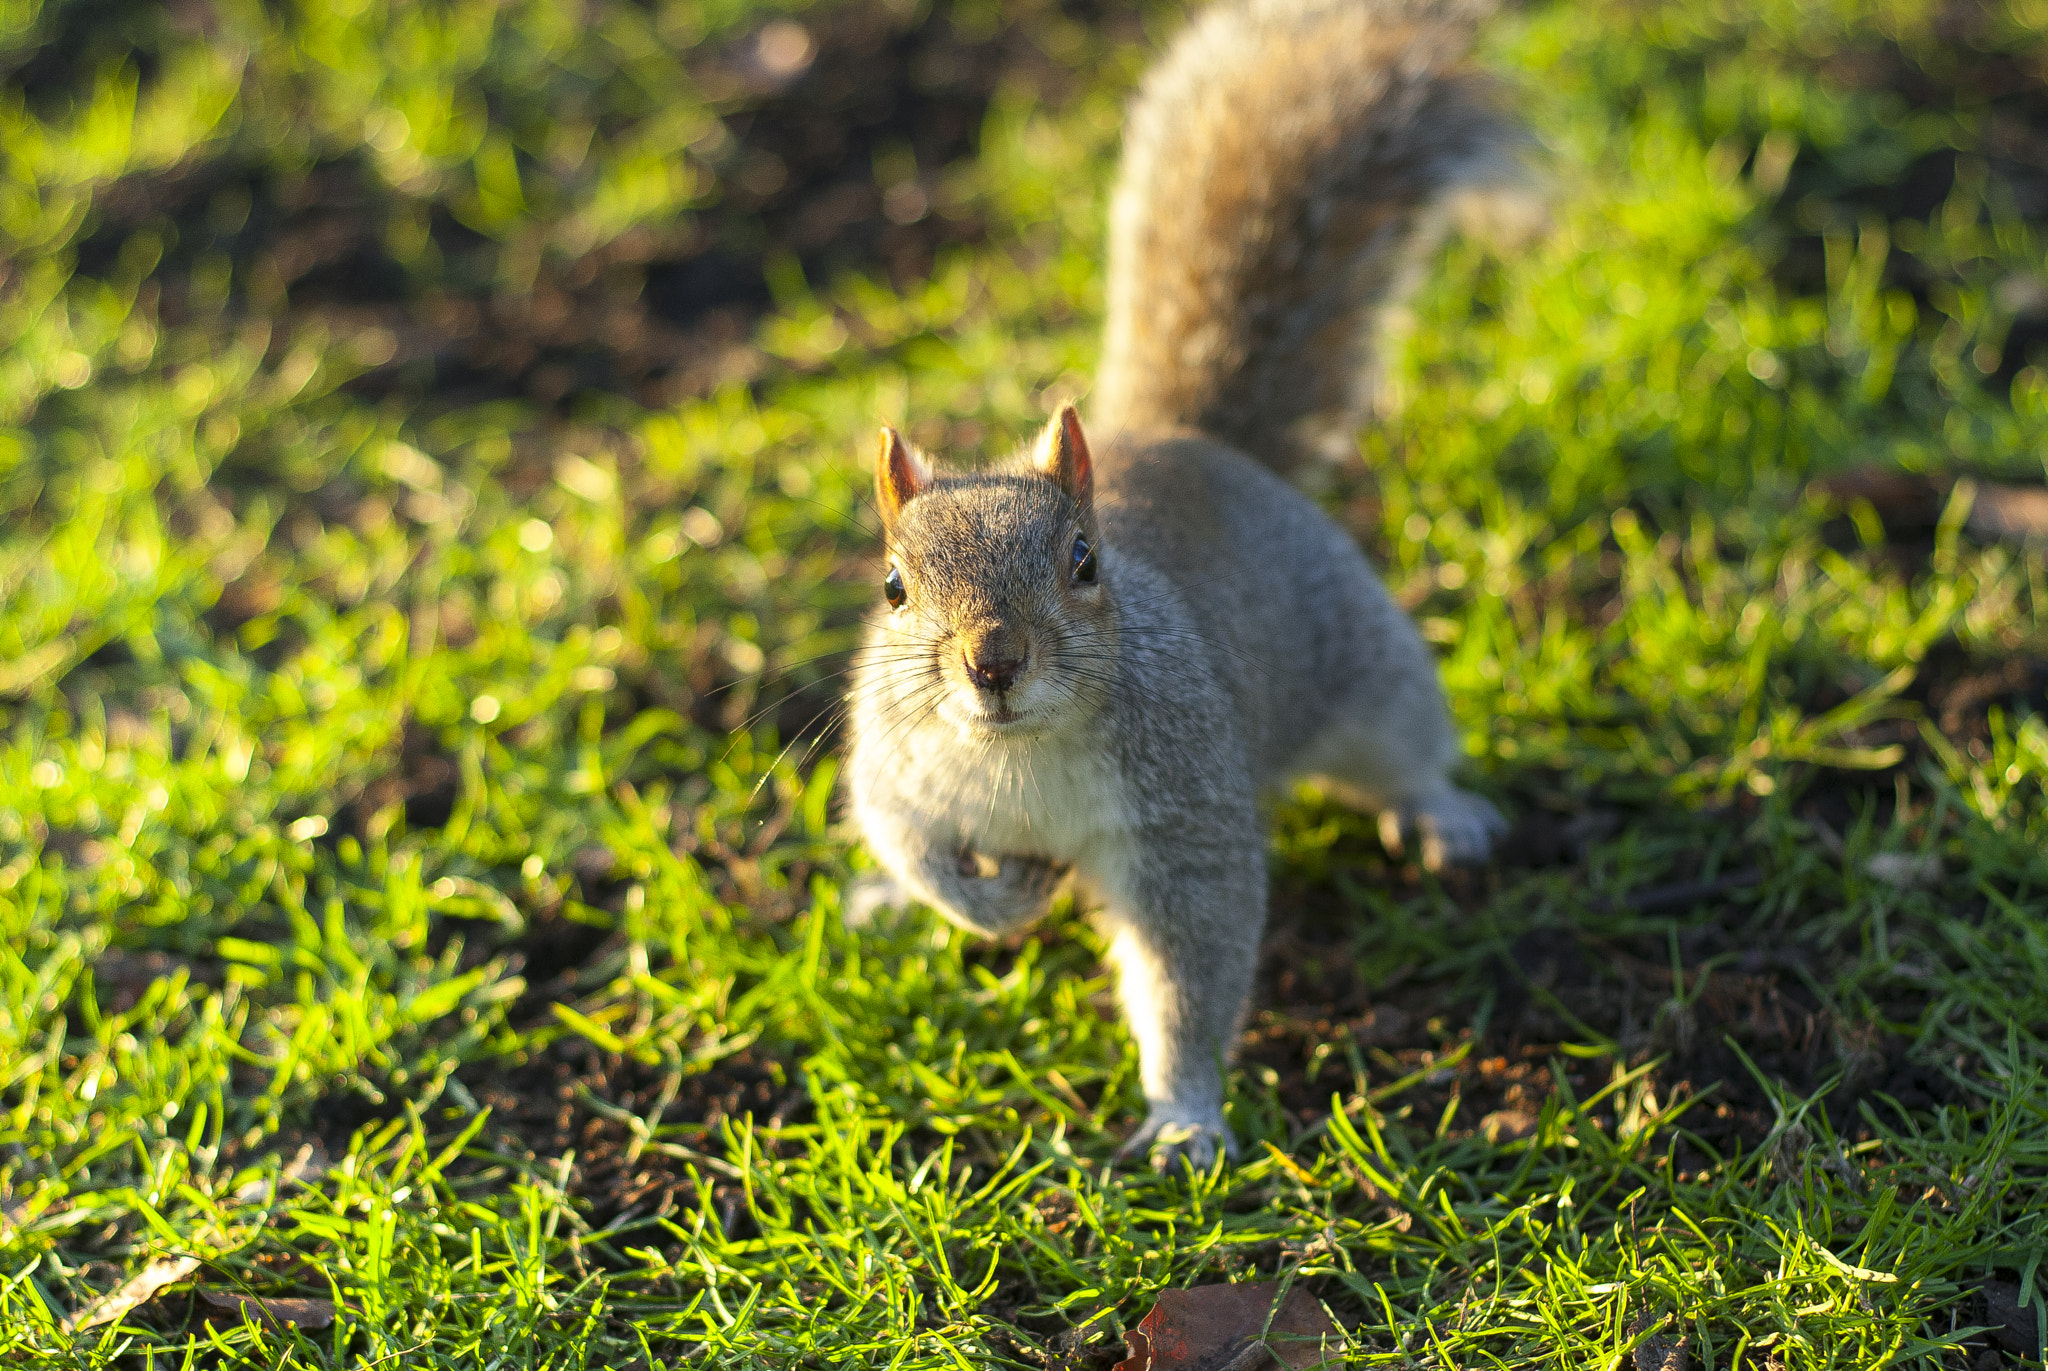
[{"x": 250, "y": 1014}]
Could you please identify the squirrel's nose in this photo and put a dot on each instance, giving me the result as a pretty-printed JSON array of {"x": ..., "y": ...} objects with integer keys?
[{"x": 992, "y": 670}]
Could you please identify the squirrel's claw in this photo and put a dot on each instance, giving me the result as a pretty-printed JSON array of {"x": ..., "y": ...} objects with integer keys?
[
  {"x": 990, "y": 897},
  {"x": 1006, "y": 895},
  {"x": 1173, "y": 1143},
  {"x": 1455, "y": 828}
]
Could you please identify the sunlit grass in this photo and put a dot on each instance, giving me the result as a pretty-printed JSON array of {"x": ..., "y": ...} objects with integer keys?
[{"x": 248, "y": 1005}]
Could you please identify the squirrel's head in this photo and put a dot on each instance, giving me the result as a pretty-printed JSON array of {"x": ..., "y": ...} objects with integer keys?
[{"x": 997, "y": 614}]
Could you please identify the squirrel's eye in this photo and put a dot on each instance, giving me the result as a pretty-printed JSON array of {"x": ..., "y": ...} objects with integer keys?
[
  {"x": 892, "y": 586},
  {"x": 1084, "y": 562}
]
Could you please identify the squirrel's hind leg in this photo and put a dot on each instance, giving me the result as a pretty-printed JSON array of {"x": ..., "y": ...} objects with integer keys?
[{"x": 1393, "y": 755}]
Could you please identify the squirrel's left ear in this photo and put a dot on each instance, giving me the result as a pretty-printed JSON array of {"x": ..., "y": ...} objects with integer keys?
[{"x": 1062, "y": 454}]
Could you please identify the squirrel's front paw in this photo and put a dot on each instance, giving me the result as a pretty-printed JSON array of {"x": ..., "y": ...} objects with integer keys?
[
  {"x": 1175, "y": 1139},
  {"x": 1000, "y": 896},
  {"x": 1455, "y": 827}
]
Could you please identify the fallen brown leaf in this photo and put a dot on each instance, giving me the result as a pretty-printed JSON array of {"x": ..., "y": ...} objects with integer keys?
[
  {"x": 1225, "y": 1328},
  {"x": 276, "y": 1311},
  {"x": 144, "y": 1284},
  {"x": 139, "y": 1288}
]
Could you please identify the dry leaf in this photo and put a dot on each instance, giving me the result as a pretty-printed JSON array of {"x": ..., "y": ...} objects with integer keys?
[
  {"x": 137, "y": 1289},
  {"x": 277, "y": 1311},
  {"x": 144, "y": 1284},
  {"x": 1220, "y": 1328}
]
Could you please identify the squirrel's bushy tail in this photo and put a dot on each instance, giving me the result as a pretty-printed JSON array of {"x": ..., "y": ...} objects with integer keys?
[{"x": 1286, "y": 165}]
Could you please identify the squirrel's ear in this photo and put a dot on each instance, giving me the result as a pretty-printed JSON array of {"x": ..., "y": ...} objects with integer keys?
[
  {"x": 1062, "y": 455},
  {"x": 900, "y": 475}
]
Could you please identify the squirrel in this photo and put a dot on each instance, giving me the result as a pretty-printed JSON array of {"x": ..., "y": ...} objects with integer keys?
[{"x": 1092, "y": 665}]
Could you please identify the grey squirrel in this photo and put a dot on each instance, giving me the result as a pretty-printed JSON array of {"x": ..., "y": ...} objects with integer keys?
[{"x": 1091, "y": 665}]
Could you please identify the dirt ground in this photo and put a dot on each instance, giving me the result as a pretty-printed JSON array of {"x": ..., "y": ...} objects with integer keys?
[{"x": 660, "y": 315}]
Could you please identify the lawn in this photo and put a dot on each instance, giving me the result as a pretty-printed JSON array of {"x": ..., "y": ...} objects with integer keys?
[{"x": 432, "y": 527}]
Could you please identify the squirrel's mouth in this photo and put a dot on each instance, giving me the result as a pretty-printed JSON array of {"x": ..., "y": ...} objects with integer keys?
[{"x": 990, "y": 714}]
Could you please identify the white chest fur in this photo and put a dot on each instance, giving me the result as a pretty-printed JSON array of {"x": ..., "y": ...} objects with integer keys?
[{"x": 1059, "y": 799}]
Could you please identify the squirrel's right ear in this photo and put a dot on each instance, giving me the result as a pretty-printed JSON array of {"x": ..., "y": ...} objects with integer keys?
[{"x": 900, "y": 475}]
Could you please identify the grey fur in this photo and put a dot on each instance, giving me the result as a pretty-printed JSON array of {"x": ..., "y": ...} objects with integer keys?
[{"x": 1233, "y": 638}]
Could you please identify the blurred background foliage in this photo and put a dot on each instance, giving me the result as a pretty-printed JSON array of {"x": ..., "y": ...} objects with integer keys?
[{"x": 432, "y": 523}]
